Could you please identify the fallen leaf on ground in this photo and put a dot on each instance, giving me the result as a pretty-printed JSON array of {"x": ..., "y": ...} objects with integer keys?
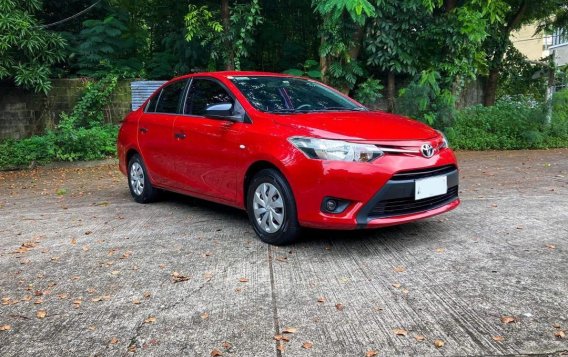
[
  {"x": 177, "y": 277},
  {"x": 559, "y": 334},
  {"x": 339, "y": 307},
  {"x": 114, "y": 341},
  {"x": 440, "y": 250},
  {"x": 150, "y": 320},
  {"x": 396, "y": 285},
  {"x": 147, "y": 294},
  {"x": 508, "y": 319},
  {"x": 243, "y": 280},
  {"x": 419, "y": 338},
  {"x": 207, "y": 275},
  {"x": 399, "y": 269},
  {"x": 307, "y": 345},
  {"x": 73, "y": 241},
  {"x": 290, "y": 330},
  {"x": 400, "y": 332},
  {"x": 371, "y": 353},
  {"x": 136, "y": 302},
  {"x": 227, "y": 345},
  {"x": 5, "y": 327},
  {"x": 280, "y": 347},
  {"x": 216, "y": 353},
  {"x": 204, "y": 315},
  {"x": 498, "y": 338},
  {"x": 439, "y": 343},
  {"x": 321, "y": 299},
  {"x": 550, "y": 246},
  {"x": 41, "y": 314}
]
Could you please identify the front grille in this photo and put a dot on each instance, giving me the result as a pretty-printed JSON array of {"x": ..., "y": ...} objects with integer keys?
[
  {"x": 408, "y": 205},
  {"x": 418, "y": 174}
]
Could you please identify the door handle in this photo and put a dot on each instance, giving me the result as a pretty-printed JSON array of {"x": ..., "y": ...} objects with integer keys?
[
  {"x": 143, "y": 130},
  {"x": 180, "y": 136}
]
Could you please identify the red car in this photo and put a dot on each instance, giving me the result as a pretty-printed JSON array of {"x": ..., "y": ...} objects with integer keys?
[{"x": 290, "y": 151}]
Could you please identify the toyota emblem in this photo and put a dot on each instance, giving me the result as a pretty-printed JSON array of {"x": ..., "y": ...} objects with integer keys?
[{"x": 427, "y": 150}]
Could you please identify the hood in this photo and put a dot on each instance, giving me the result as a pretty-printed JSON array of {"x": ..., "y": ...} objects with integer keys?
[{"x": 359, "y": 126}]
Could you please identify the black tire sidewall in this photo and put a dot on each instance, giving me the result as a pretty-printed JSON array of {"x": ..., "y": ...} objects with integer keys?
[
  {"x": 148, "y": 193},
  {"x": 290, "y": 228}
]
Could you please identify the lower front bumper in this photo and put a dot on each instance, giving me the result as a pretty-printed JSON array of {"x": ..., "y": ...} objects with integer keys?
[{"x": 395, "y": 204}]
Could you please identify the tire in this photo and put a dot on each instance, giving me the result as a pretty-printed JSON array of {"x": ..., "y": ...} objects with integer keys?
[
  {"x": 260, "y": 194},
  {"x": 139, "y": 183}
]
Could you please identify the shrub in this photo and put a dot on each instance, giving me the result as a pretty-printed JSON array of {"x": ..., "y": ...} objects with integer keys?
[
  {"x": 81, "y": 135},
  {"x": 512, "y": 123},
  {"x": 369, "y": 91}
]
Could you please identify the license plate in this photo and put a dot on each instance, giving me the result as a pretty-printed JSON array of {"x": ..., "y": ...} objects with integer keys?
[{"x": 430, "y": 187}]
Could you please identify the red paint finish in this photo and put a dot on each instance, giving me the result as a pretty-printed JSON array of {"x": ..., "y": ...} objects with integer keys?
[{"x": 212, "y": 157}]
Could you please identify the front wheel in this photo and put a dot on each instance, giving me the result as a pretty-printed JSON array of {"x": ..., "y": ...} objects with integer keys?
[{"x": 271, "y": 208}]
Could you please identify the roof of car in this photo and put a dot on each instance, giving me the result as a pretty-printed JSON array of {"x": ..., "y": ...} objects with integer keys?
[{"x": 236, "y": 73}]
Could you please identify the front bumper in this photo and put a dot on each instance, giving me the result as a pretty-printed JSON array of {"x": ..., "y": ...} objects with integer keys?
[{"x": 380, "y": 193}]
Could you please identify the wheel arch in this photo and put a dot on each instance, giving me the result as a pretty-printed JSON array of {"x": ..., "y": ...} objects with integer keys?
[{"x": 252, "y": 170}]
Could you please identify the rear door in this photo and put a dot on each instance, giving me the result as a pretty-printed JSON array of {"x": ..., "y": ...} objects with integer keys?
[
  {"x": 208, "y": 150},
  {"x": 155, "y": 131}
]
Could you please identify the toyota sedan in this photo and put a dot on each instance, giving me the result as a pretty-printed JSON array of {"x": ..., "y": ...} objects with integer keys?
[{"x": 290, "y": 151}]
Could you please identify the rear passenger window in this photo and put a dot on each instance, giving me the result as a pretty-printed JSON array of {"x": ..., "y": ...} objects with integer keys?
[{"x": 170, "y": 97}]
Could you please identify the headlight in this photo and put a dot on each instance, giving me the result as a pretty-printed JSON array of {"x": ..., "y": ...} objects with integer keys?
[
  {"x": 445, "y": 143},
  {"x": 337, "y": 150}
]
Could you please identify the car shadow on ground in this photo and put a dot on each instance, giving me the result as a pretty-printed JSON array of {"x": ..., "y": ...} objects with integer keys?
[{"x": 411, "y": 233}]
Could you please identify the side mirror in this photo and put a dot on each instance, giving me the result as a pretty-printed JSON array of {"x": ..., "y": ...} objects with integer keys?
[
  {"x": 219, "y": 110},
  {"x": 223, "y": 111}
]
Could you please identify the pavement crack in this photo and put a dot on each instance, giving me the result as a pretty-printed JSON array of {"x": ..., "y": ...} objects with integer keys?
[{"x": 274, "y": 307}]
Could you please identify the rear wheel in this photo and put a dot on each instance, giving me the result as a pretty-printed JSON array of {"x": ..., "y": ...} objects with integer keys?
[
  {"x": 271, "y": 208},
  {"x": 139, "y": 183}
]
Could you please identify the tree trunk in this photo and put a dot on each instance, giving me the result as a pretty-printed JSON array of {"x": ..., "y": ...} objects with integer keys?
[
  {"x": 449, "y": 5},
  {"x": 490, "y": 87},
  {"x": 323, "y": 63},
  {"x": 391, "y": 91},
  {"x": 355, "y": 49},
  {"x": 226, "y": 21}
]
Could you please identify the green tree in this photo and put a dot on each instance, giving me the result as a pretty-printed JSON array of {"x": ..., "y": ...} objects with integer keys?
[
  {"x": 228, "y": 32},
  {"x": 342, "y": 33},
  {"x": 27, "y": 51},
  {"x": 111, "y": 45},
  {"x": 519, "y": 13},
  {"x": 427, "y": 36}
]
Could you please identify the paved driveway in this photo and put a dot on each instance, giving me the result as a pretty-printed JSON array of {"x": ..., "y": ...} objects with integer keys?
[{"x": 85, "y": 271}]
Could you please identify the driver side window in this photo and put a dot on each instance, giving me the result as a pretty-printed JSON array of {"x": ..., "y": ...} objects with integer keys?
[{"x": 203, "y": 93}]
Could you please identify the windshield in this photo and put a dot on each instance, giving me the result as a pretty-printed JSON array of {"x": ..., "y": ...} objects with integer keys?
[{"x": 291, "y": 95}]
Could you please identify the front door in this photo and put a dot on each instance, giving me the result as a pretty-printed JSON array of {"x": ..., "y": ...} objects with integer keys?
[{"x": 207, "y": 150}]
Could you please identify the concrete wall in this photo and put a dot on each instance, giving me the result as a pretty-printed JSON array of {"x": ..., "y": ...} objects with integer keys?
[
  {"x": 24, "y": 113},
  {"x": 560, "y": 54}
]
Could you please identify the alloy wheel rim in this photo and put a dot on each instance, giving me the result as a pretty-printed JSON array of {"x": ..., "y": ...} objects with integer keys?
[
  {"x": 268, "y": 206},
  {"x": 137, "y": 178}
]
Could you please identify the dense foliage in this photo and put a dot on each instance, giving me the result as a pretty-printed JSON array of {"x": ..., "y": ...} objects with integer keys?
[
  {"x": 512, "y": 123},
  {"x": 27, "y": 51}
]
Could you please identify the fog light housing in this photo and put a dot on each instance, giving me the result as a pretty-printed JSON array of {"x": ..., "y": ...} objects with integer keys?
[
  {"x": 331, "y": 205},
  {"x": 334, "y": 205}
]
